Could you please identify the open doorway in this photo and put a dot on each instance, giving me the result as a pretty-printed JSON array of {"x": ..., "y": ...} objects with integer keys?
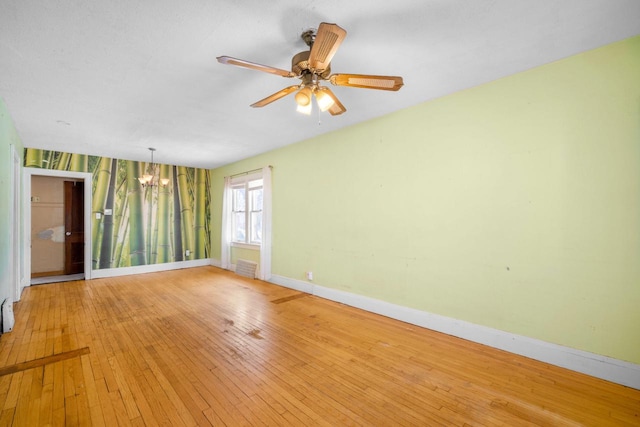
[{"x": 57, "y": 208}]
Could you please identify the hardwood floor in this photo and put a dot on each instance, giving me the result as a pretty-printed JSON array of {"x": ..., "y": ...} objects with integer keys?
[{"x": 205, "y": 347}]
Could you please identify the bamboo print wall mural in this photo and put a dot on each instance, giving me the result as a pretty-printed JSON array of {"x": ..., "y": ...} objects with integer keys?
[{"x": 146, "y": 225}]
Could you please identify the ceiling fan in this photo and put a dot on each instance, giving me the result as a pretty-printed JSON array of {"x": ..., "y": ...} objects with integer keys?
[{"x": 314, "y": 66}]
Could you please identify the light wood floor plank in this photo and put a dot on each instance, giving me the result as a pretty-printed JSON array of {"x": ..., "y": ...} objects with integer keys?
[
  {"x": 108, "y": 413},
  {"x": 71, "y": 411},
  {"x": 46, "y": 408},
  {"x": 6, "y": 417},
  {"x": 206, "y": 347},
  {"x": 23, "y": 406}
]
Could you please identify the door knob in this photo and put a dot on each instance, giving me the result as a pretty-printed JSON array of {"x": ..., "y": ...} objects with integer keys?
[{"x": 68, "y": 233}]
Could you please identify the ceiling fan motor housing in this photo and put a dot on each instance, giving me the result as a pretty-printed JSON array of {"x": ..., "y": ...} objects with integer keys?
[{"x": 300, "y": 66}]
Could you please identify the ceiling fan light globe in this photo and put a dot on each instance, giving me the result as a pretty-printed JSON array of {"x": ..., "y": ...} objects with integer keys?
[
  {"x": 304, "y": 109},
  {"x": 303, "y": 97},
  {"x": 324, "y": 101}
]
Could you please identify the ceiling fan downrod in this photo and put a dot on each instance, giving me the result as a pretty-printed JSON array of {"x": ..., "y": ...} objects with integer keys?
[{"x": 309, "y": 36}]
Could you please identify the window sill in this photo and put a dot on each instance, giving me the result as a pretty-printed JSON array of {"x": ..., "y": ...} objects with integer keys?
[{"x": 245, "y": 246}]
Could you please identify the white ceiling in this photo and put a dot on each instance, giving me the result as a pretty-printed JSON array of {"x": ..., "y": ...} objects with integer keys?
[{"x": 112, "y": 78}]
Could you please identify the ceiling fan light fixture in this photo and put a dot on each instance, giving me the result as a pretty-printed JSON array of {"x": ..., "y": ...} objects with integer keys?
[
  {"x": 313, "y": 67},
  {"x": 304, "y": 109},
  {"x": 303, "y": 97},
  {"x": 324, "y": 100}
]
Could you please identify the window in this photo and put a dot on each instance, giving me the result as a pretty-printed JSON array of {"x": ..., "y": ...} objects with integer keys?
[
  {"x": 246, "y": 212},
  {"x": 246, "y": 217}
]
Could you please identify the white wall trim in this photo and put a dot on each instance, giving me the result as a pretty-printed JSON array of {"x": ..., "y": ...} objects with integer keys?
[
  {"x": 15, "y": 215},
  {"x": 298, "y": 285},
  {"x": 150, "y": 268},
  {"x": 607, "y": 368},
  {"x": 218, "y": 263}
]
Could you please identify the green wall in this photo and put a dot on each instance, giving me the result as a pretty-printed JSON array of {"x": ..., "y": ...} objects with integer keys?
[
  {"x": 243, "y": 253},
  {"x": 514, "y": 205},
  {"x": 8, "y": 137}
]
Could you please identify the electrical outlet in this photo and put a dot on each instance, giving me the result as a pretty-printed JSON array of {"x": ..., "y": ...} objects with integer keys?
[
  {"x": 187, "y": 252},
  {"x": 309, "y": 275}
]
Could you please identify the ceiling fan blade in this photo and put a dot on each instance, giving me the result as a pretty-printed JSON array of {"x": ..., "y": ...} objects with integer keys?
[
  {"x": 367, "y": 81},
  {"x": 337, "y": 108},
  {"x": 327, "y": 41},
  {"x": 252, "y": 65},
  {"x": 280, "y": 94}
]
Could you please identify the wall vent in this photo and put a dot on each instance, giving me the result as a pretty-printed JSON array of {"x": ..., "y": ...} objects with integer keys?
[{"x": 246, "y": 268}]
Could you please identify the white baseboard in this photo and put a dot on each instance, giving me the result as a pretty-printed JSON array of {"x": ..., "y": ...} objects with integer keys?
[
  {"x": 216, "y": 263},
  {"x": 607, "y": 368},
  {"x": 298, "y": 285},
  {"x": 151, "y": 268}
]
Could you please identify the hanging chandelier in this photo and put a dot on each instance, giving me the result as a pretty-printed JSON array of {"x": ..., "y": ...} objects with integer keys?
[{"x": 149, "y": 179}]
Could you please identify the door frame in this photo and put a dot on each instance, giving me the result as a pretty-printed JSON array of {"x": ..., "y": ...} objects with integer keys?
[
  {"x": 15, "y": 275},
  {"x": 87, "y": 177}
]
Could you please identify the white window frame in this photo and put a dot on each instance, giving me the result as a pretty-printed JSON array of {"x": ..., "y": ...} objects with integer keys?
[
  {"x": 243, "y": 182},
  {"x": 267, "y": 213}
]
